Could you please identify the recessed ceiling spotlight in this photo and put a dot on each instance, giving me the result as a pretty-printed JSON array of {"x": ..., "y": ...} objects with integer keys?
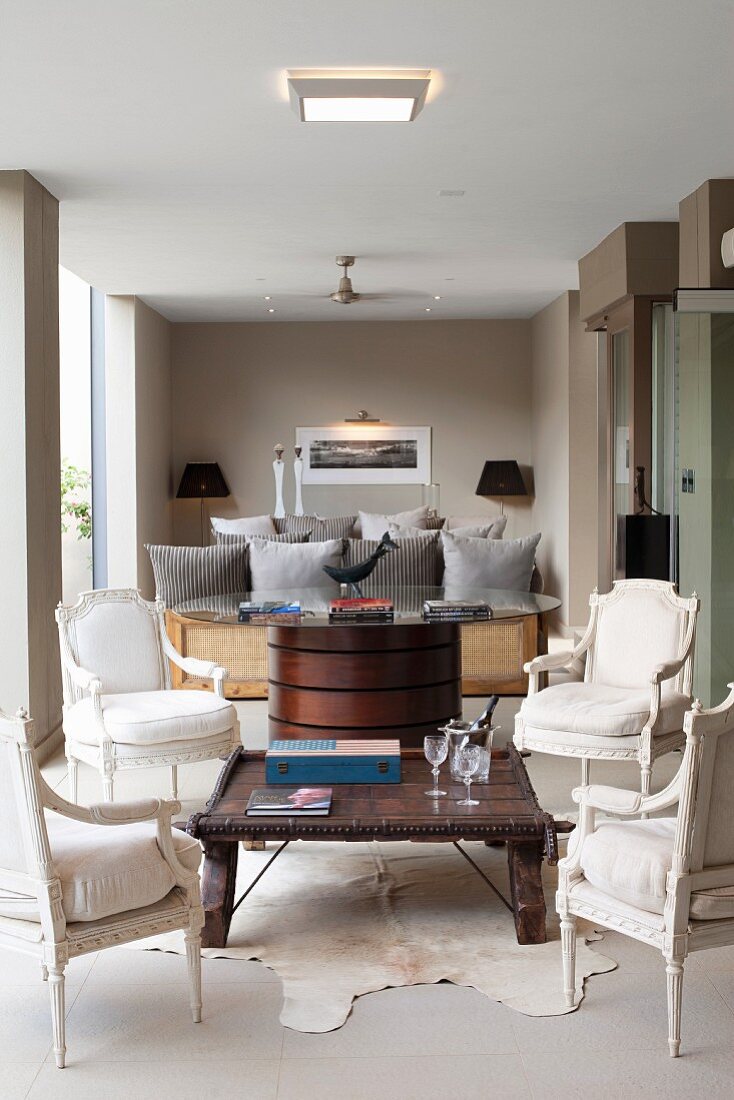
[
  {"x": 354, "y": 95},
  {"x": 437, "y": 297},
  {"x": 271, "y": 311},
  {"x": 268, "y": 297},
  {"x": 447, "y": 193},
  {"x": 428, "y": 309},
  {"x": 260, "y": 279}
]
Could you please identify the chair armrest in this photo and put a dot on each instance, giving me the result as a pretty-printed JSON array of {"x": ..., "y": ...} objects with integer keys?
[
  {"x": 612, "y": 800},
  {"x": 195, "y": 666},
  {"x": 548, "y": 661},
  {"x": 617, "y": 800},
  {"x": 667, "y": 670},
  {"x": 82, "y": 677},
  {"x": 110, "y": 813}
]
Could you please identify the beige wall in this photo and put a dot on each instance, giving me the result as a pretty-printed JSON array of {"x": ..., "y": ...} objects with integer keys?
[
  {"x": 30, "y": 546},
  {"x": 550, "y": 449},
  {"x": 240, "y": 388},
  {"x": 564, "y": 455},
  {"x": 139, "y": 443}
]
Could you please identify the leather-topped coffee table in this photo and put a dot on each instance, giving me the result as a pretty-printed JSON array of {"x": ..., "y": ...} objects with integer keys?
[{"x": 508, "y": 812}]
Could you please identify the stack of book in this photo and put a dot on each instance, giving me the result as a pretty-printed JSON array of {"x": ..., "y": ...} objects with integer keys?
[
  {"x": 456, "y": 611},
  {"x": 361, "y": 610},
  {"x": 269, "y": 611}
]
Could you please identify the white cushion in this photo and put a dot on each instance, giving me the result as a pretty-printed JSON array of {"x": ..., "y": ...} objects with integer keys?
[
  {"x": 373, "y": 525},
  {"x": 245, "y": 525},
  {"x": 630, "y": 860},
  {"x": 104, "y": 869},
  {"x": 276, "y": 565},
  {"x": 489, "y": 563},
  {"x": 151, "y": 717},
  {"x": 600, "y": 711}
]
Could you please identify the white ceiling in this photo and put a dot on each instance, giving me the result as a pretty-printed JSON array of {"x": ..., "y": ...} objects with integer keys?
[{"x": 164, "y": 128}]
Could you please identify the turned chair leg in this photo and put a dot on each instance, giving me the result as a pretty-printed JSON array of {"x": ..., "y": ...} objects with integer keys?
[
  {"x": 193, "y": 958},
  {"x": 58, "y": 1014},
  {"x": 174, "y": 781},
  {"x": 585, "y": 771},
  {"x": 645, "y": 781},
  {"x": 674, "y": 972},
  {"x": 72, "y": 771},
  {"x": 568, "y": 947},
  {"x": 108, "y": 785}
]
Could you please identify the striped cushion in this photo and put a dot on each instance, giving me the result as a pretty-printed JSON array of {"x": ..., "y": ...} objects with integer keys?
[
  {"x": 322, "y": 528},
  {"x": 434, "y": 523},
  {"x": 416, "y": 563},
  {"x": 190, "y": 572},
  {"x": 224, "y": 538}
]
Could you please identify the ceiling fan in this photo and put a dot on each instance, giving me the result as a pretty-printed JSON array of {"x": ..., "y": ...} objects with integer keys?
[{"x": 345, "y": 294}]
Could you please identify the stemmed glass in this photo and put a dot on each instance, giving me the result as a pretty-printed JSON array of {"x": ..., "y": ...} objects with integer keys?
[
  {"x": 436, "y": 748},
  {"x": 467, "y": 762}
]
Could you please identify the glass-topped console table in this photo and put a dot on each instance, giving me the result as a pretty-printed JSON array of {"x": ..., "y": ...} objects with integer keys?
[{"x": 376, "y": 680}]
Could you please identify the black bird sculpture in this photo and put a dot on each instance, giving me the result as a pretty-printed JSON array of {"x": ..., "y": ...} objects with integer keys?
[{"x": 353, "y": 574}]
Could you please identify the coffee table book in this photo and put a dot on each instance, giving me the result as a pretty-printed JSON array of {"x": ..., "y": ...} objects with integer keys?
[{"x": 290, "y": 802}]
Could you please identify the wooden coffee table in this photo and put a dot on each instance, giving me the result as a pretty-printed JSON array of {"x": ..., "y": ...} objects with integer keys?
[{"x": 508, "y": 813}]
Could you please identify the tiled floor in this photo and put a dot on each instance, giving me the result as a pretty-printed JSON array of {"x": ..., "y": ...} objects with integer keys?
[{"x": 130, "y": 1035}]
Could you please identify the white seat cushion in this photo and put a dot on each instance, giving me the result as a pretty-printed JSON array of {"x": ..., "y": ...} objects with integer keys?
[
  {"x": 105, "y": 869},
  {"x": 151, "y": 717},
  {"x": 630, "y": 860},
  {"x": 601, "y": 711}
]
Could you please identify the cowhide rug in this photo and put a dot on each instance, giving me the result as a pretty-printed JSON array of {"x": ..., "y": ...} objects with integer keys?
[{"x": 335, "y": 921}]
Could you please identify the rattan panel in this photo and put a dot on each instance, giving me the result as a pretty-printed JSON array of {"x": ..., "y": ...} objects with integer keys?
[
  {"x": 492, "y": 650},
  {"x": 241, "y": 650}
]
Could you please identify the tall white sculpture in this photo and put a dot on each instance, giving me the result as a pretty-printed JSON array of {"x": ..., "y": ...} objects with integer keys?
[
  {"x": 298, "y": 471},
  {"x": 278, "y": 466}
]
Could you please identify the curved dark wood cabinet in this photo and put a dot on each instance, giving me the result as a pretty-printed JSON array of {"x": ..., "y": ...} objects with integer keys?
[{"x": 400, "y": 680}]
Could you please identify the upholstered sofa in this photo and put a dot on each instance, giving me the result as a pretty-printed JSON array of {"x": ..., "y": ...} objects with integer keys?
[{"x": 493, "y": 653}]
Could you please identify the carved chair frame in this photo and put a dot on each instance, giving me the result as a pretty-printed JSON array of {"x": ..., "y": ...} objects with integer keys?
[
  {"x": 679, "y": 934},
  {"x": 52, "y": 941},
  {"x": 79, "y": 683},
  {"x": 645, "y": 747}
]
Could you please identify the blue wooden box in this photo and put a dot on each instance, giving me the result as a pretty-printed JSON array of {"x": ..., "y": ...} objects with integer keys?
[{"x": 331, "y": 761}]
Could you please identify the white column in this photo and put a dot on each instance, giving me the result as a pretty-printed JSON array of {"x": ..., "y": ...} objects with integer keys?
[{"x": 30, "y": 464}]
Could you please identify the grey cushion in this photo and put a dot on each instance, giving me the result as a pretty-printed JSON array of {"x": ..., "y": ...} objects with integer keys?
[
  {"x": 488, "y": 531},
  {"x": 488, "y": 563},
  {"x": 416, "y": 563},
  {"x": 373, "y": 525},
  {"x": 498, "y": 523},
  {"x": 296, "y": 565},
  {"x": 190, "y": 572},
  {"x": 244, "y": 525},
  {"x": 321, "y": 528}
]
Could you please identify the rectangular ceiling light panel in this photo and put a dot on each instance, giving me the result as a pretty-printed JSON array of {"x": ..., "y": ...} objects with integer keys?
[{"x": 349, "y": 96}]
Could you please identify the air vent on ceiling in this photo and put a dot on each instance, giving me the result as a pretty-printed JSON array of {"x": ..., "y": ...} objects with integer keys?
[{"x": 444, "y": 193}]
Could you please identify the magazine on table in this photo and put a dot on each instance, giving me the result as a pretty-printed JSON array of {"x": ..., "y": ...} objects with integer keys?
[{"x": 290, "y": 802}]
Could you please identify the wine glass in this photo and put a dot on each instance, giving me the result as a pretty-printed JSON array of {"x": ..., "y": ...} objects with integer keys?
[
  {"x": 436, "y": 748},
  {"x": 467, "y": 762}
]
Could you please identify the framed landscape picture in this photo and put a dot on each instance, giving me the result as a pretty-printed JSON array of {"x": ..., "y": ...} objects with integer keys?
[{"x": 365, "y": 454}]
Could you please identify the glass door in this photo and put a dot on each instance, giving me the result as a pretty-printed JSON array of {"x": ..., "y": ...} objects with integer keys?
[{"x": 704, "y": 460}]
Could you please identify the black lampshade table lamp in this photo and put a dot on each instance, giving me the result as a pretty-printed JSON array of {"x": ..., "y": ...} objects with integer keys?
[
  {"x": 501, "y": 478},
  {"x": 202, "y": 479}
]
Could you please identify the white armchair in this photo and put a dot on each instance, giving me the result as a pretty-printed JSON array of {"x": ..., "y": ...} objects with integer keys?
[
  {"x": 119, "y": 709},
  {"x": 666, "y": 881},
  {"x": 76, "y": 880},
  {"x": 636, "y": 689}
]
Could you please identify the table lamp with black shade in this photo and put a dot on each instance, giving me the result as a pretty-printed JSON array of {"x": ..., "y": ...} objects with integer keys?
[
  {"x": 202, "y": 479},
  {"x": 501, "y": 478}
]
